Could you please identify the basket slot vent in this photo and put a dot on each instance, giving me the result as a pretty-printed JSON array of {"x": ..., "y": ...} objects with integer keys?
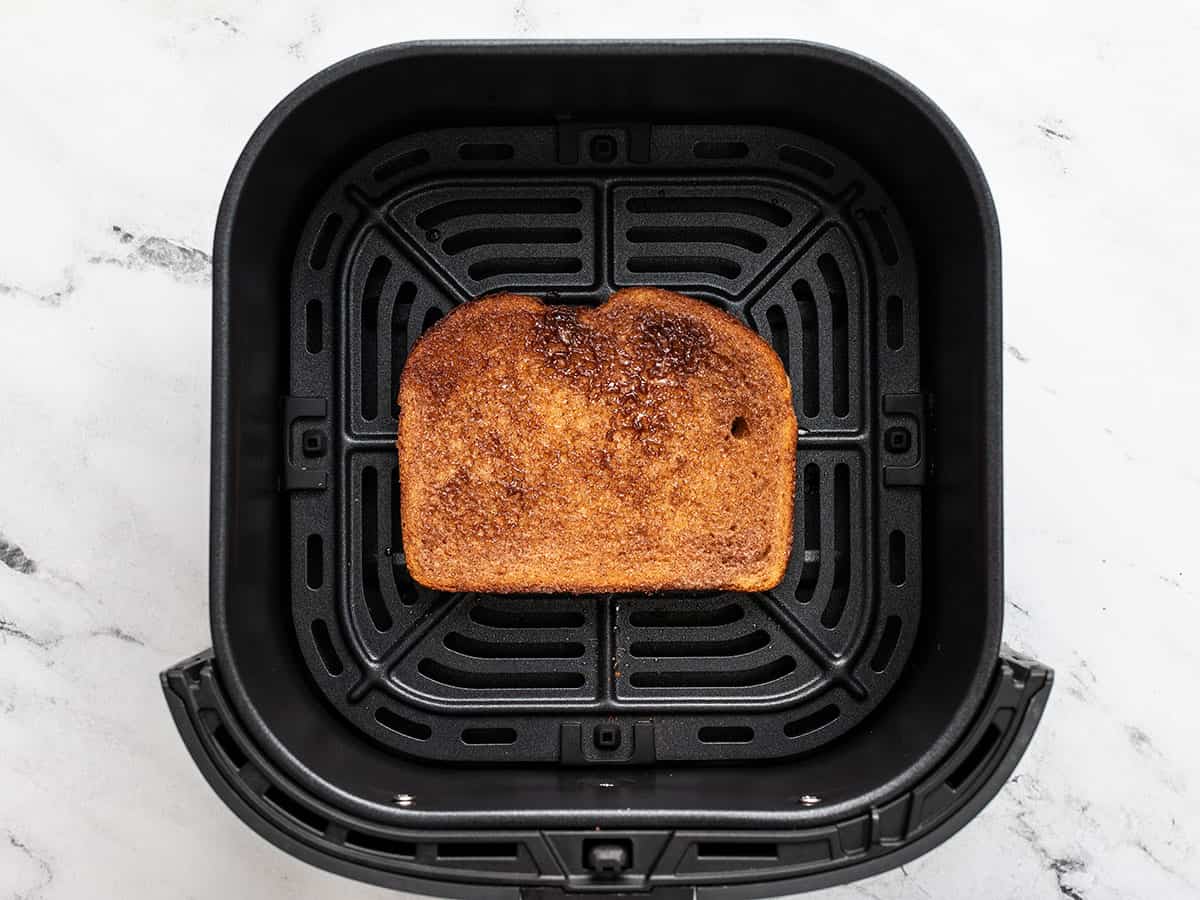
[
  {"x": 738, "y": 646},
  {"x": 810, "y": 569},
  {"x": 840, "y": 590},
  {"x": 895, "y": 323},
  {"x": 687, "y": 618},
  {"x": 432, "y": 316},
  {"x": 715, "y": 678},
  {"x": 835, "y": 284},
  {"x": 807, "y": 160},
  {"x": 395, "y": 509},
  {"x": 372, "y": 294},
  {"x": 883, "y": 236},
  {"x": 324, "y": 241},
  {"x": 779, "y": 336},
  {"x": 376, "y": 844},
  {"x": 515, "y": 265},
  {"x": 296, "y": 810},
  {"x": 323, "y": 641},
  {"x": 406, "y": 588},
  {"x": 815, "y": 721},
  {"x": 981, "y": 751},
  {"x": 314, "y": 562},
  {"x": 497, "y": 206},
  {"x": 314, "y": 326},
  {"x": 743, "y": 206},
  {"x": 393, "y": 721},
  {"x": 469, "y": 646},
  {"x": 887, "y": 644},
  {"x": 491, "y": 736},
  {"x": 390, "y": 168},
  {"x": 683, "y": 234},
  {"x": 478, "y": 850},
  {"x": 401, "y": 310},
  {"x": 483, "y": 237},
  {"x": 809, "y": 358},
  {"x": 381, "y": 618},
  {"x": 229, "y": 747},
  {"x": 896, "y": 558},
  {"x": 736, "y": 850},
  {"x": 482, "y": 681},
  {"x": 526, "y": 618},
  {"x": 707, "y": 265},
  {"x": 726, "y": 734}
]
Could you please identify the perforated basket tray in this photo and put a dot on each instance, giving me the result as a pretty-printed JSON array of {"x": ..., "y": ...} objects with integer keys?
[{"x": 775, "y": 227}]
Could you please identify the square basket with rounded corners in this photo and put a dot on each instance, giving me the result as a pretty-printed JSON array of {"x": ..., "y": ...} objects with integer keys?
[{"x": 733, "y": 744}]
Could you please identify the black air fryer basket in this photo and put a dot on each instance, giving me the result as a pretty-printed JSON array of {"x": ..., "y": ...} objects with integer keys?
[{"x": 721, "y": 745}]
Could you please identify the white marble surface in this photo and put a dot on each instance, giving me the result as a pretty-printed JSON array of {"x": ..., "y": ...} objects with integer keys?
[{"x": 118, "y": 125}]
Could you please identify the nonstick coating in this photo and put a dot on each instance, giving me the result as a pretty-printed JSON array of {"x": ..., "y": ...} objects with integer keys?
[{"x": 781, "y": 230}]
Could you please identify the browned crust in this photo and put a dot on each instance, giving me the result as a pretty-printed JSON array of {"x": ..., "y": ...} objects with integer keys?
[{"x": 550, "y": 449}]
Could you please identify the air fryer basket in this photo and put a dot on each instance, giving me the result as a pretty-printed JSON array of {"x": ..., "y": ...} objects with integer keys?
[{"x": 496, "y": 746}]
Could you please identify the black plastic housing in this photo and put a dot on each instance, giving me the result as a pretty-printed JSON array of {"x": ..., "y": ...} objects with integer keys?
[{"x": 946, "y": 730}]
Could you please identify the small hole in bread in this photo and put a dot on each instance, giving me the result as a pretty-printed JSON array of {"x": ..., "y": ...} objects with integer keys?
[{"x": 738, "y": 427}]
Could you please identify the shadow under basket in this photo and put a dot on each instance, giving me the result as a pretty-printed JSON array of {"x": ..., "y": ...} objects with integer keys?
[{"x": 731, "y": 745}]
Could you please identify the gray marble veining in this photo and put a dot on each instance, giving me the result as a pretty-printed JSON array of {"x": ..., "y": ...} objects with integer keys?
[{"x": 121, "y": 122}]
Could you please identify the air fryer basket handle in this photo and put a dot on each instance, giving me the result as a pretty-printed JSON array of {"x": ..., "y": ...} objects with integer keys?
[{"x": 880, "y": 838}]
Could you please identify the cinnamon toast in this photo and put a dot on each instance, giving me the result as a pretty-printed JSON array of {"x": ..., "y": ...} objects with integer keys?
[{"x": 646, "y": 444}]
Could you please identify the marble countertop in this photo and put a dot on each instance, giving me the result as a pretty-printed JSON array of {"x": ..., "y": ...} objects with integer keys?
[{"x": 121, "y": 122}]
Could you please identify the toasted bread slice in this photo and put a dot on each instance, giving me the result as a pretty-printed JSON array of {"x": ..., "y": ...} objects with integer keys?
[{"x": 647, "y": 444}]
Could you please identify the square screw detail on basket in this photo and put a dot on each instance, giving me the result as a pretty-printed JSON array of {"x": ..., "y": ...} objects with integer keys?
[
  {"x": 603, "y": 148},
  {"x": 312, "y": 443},
  {"x": 897, "y": 439},
  {"x": 607, "y": 736}
]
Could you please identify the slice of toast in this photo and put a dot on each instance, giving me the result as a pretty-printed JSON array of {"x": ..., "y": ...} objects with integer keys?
[{"x": 647, "y": 444}]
